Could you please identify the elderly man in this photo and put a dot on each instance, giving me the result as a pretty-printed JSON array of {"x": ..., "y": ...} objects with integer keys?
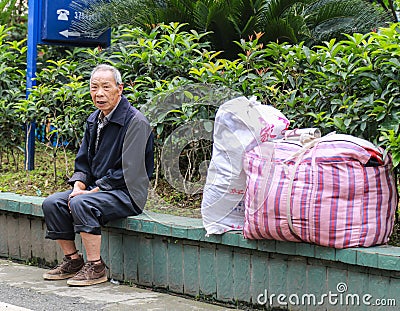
[{"x": 110, "y": 181}]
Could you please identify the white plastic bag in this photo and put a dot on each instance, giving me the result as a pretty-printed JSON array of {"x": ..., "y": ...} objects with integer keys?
[{"x": 240, "y": 124}]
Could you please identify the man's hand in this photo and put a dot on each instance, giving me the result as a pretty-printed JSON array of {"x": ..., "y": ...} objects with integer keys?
[{"x": 80, "y": 188}]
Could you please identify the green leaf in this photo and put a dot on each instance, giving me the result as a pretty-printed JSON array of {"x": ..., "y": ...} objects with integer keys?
[{"x": 208, "y": 126}]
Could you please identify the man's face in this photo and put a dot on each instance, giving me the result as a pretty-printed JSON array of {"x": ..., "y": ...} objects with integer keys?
[{"x": 104, "y": 90}]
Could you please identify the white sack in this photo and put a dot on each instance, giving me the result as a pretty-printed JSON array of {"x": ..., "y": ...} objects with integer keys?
[{"x": 240, "y": 124}]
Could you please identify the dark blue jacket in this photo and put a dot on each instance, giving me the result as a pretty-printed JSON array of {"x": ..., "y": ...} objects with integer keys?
[{"x": 124, "y": 155}]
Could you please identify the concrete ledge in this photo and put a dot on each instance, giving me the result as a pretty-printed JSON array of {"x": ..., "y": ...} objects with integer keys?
[{"x": 173, "y": 252}]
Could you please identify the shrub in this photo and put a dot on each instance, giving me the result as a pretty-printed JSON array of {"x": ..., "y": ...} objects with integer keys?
[
  {"x": 12, "y": 88},
  {"x": 349, "y": 86}
]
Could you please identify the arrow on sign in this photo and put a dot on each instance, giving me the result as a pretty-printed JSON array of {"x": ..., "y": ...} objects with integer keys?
[{"x": 67, "y": 33}]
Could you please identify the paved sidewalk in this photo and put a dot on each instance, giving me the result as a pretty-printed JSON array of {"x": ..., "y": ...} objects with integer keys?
[{"x": 22, "y": 288}]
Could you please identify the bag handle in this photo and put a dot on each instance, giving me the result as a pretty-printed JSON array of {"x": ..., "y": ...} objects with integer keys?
[{"x": 299, "y": 155}]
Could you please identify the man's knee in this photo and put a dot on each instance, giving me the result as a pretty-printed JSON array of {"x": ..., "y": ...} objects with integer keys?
[
  {"x": 49, "y": 205},
  {"x": 83, "y": 208},
  {"x": 78, "y": 204}
]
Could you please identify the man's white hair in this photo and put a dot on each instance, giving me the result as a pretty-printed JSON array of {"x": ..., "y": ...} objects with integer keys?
[{"x": 105, "y": 67}]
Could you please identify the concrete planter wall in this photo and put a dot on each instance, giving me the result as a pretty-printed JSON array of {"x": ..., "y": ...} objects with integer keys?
[{"x": 172, "y": 253}]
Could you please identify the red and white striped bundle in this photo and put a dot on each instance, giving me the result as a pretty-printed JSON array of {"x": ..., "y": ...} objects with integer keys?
[{"x": 336, "y": 191}]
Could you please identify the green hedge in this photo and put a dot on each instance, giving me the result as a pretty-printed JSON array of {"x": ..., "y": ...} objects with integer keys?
[{"x": 349, "y": 86}]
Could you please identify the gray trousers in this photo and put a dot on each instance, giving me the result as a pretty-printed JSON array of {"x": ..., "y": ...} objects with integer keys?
[{"x": 86, "y": 213}]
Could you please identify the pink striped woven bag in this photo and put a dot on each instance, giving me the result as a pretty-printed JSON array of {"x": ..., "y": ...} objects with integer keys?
[{"x": 336, "y": 191}]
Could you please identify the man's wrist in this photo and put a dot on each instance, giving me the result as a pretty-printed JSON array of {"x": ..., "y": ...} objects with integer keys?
[{"x": 78, "y": 185}]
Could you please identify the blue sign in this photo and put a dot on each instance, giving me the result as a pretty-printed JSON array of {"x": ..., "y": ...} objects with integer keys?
[
  {"x": 49, "y": 22},
  {"x": 57, "y": 19}
]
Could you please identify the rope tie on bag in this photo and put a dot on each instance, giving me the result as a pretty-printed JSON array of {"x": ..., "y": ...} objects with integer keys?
[{"x": 299, "y": 155}]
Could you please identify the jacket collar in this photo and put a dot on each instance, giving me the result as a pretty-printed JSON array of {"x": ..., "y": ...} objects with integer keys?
[{"x": 118, "y": 116}]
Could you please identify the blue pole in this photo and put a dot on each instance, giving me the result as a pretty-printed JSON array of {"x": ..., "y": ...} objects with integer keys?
[{"x": 33, "y": 31}]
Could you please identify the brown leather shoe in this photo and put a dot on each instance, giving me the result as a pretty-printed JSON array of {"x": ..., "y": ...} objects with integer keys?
[
  {"x": 67, "y": 269},
  {"x": 90, "y": 274}
]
